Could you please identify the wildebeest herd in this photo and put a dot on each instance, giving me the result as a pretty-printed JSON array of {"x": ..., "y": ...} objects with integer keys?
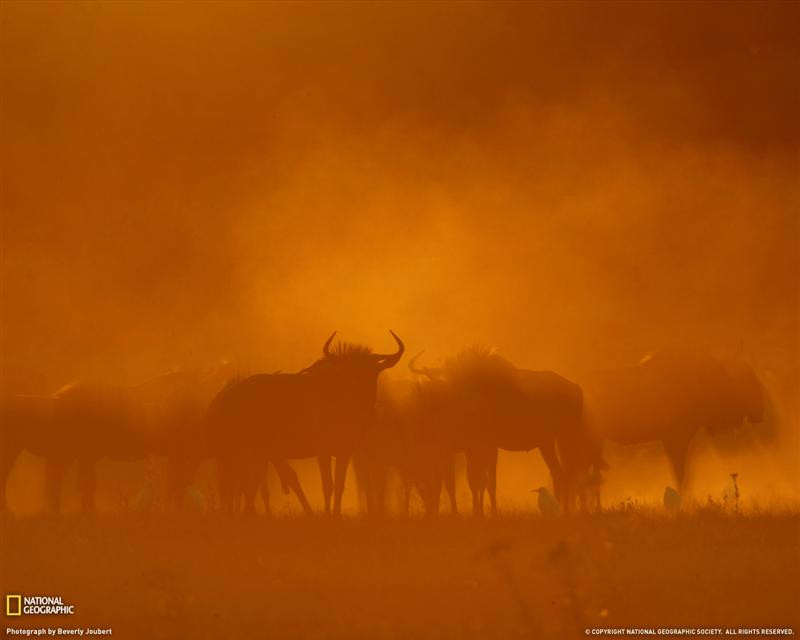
[{"x": 338, "y": 408}]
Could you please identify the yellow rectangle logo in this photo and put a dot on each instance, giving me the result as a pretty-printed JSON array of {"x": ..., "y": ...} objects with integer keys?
[{"x": 13, "y": 605}]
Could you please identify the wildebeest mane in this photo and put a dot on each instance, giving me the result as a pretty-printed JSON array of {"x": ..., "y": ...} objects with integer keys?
[
  {"x": 479, "y": 366},
  {"x": 344, "y": 349},
  {"x": 340, "y": 352}
]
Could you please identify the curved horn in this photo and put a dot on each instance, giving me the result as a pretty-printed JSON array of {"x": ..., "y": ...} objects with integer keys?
[
  {"x": 412, "y": 365},
  {"x": 327, "y": 345},
  {"x": 432, "y": 373},
  {"x": 389, "y": 360}
]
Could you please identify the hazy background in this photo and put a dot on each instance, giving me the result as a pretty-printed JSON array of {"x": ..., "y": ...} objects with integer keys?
[{"x": 573, "y": 184}]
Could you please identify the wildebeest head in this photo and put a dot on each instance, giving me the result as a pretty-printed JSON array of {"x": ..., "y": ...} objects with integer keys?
[
  {"x": 474, "y": 370},
  {"x": 354, "y": 364},
  {"x": 432, "y": 373}
]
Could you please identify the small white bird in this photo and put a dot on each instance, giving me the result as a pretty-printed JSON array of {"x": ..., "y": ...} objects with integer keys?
[
  {"x": 672, "y": 500},
  {"x": 548, "y": 505}
]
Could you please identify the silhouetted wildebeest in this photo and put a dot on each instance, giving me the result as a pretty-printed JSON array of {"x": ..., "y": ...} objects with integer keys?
[
  {"x": 85, "y": 423},
  {"x": 17, "y": 383},
  {"x": 22, "y": 419},
  {"x": 669, "y": 397},
  {"x": 176, "y": 404},
  {"x": 488, "y": 404},
  {"x": 408, "y": 440},
  {"x": 81, "y": 422},
  {"x": 322, "y": 411}
]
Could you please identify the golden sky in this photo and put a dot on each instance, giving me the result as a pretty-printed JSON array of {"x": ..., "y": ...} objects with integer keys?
[{"x": 575, "y": 184}]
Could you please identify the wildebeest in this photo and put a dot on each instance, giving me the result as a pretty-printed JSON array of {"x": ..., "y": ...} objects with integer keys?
[
  {"x": 86, "y": 422},
  {"x": 322, "y": 411},
  {"x": 430, "y": 443},
  {"x": 669, "y": 397},
  {"x": 176, "y": 404},
  {"x": 81, "y": 422},
  {"x": 16, "y": 384},
  {"x": 490, "y": 405},
  {"x": 413, "y": 442}
]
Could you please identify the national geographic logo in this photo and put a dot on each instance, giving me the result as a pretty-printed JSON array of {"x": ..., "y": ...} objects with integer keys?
[{"x": 19, "y": 605}]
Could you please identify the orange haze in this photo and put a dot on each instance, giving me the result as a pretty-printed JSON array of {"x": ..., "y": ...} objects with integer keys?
[{"x": 574, "y": 184}]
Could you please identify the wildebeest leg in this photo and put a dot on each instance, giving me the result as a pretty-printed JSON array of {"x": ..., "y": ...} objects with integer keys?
[
  {"x": 568, "y": 489},
  {"x": 551, "y": 460},
  {"x": 591, "y": 493},
  {"x": 491, "y": 479},
  {"x": 568, "y": 492},
  {"x": 676, "y": 452},
  {"x": 450, "y": 483},
  {"x": 597, "y": 502},
  {"x": 362, "y": 480},
  {"x": 227, "y": 490},
  {"x": 377, "y": 490},
  {"x": 341, "y": 475},
  {"x": 326, "y": 474},
  {"x": 55, "y": 468},
  {"x": 180, "y": 472},
  {"x": 289, "y": 478},
  {"x": 87, "y": 483},
  {"x": 250, "y": 489},
  {"x": 244, "y": 482},
  {"x": 476, "y": 476},
  {"x": 263, "y": 487}
]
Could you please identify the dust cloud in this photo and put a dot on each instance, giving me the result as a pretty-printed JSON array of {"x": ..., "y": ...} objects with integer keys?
[{"x": 576, "y": 185}]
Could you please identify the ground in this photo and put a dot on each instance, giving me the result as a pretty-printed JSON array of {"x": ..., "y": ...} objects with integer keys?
[{"x": 516, "y": 576}]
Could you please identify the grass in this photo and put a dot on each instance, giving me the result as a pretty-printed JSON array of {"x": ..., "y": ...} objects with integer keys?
[{"x": 151, "y": 576}]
